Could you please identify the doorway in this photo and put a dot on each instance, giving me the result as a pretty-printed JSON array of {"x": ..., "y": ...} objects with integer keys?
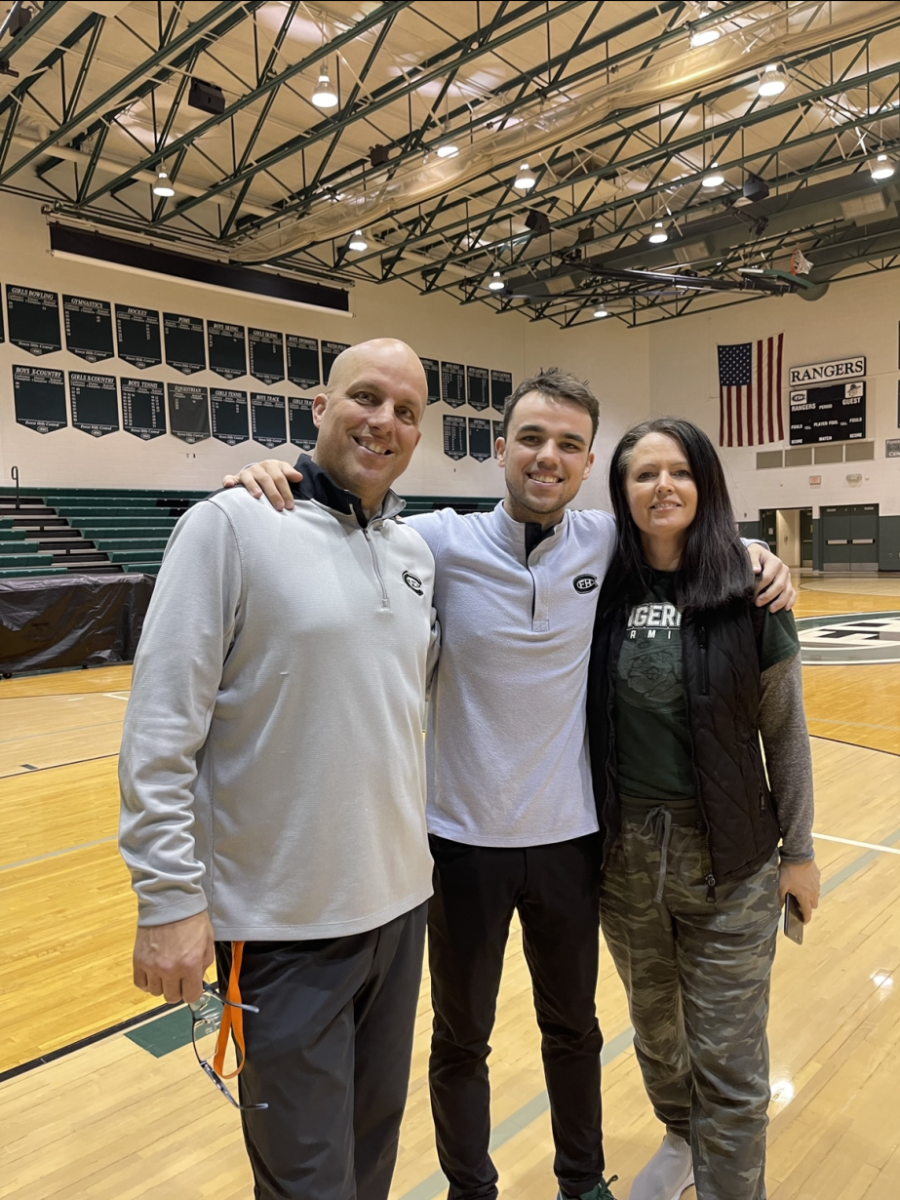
[{"x": 789, "y": 533}]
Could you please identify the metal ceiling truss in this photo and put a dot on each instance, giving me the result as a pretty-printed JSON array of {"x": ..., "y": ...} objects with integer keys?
[{"x": 599, "y": 192}]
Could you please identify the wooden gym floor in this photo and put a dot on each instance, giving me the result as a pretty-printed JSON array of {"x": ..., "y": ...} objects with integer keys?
[{"x": 128, "y": 1114}]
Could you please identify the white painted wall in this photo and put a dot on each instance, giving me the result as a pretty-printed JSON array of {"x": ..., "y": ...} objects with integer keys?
[
  {"x": 857, "y": 316},
  {"x": 611, "y": 358}
]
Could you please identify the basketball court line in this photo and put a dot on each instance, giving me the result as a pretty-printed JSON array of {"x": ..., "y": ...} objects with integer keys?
[
  {"x": 827, "y": 837},
  {"x": 26, "y": 862}
]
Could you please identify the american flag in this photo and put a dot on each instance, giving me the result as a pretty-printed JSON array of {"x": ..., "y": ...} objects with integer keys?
[{"x": 750, "y": 393}]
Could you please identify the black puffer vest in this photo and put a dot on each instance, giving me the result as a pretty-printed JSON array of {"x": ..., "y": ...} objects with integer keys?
[{"x": 721, "y": 675}]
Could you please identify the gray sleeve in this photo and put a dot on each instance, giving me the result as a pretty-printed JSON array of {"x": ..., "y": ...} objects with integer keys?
[
  {"x": 782, "y": 724},
  {"x": 189, "y": 628}
]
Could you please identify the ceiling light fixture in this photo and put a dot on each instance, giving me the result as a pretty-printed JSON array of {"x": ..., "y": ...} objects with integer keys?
[
  {"x": 599, "y": 313},
  {"x": 324, "y": 95},
  {"x": 703, "y": 37},
  {"x": 881, "y": 168},
  {"x": 447, "y": 150},
  {"x": 659, "y": 235},
  {"x": 163, "y": 185},
  {"x": 713, "y": 177},
  {"x": 772, "y": 81},
  {"x": 525, "y": 179},
  {"x": 496, "y": 283},
  {"x": 358, "y": 242}
]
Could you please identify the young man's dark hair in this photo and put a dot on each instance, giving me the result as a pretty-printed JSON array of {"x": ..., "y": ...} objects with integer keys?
[{"x": 555, "y": 385}]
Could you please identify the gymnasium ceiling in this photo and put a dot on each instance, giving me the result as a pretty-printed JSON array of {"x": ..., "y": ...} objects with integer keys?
[{"x": 618, "y": 115}]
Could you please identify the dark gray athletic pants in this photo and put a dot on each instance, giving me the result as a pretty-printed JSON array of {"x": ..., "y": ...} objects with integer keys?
[
  {"x": 556, "y": 891},
  {"x": 329, "y": 1052}
]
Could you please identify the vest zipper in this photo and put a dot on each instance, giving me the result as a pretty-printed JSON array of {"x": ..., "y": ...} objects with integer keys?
[
  {"x": 385, "y": 600},
  {"x": 704, "y": 665},
  {"x": 710, "y": 889}
]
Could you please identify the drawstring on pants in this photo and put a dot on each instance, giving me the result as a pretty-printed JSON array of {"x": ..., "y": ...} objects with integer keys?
[{"x": 659, "y": 823}]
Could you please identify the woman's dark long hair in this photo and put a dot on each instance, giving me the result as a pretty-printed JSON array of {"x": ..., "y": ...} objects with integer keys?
[{"x": 715, "y": 569}]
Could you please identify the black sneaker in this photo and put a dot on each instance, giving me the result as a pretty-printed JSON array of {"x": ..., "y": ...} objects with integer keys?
[{"x": 599, "y": 1192}]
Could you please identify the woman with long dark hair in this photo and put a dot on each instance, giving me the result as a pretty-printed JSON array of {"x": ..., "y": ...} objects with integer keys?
[{"x": 702, "y": 840}]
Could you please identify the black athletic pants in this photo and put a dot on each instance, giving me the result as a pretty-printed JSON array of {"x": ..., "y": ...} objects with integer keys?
[
  {"x": 556, "y": 891},
  {"x": 329, "y": 1052}
]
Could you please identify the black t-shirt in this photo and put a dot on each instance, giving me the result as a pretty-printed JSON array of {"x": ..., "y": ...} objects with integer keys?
[{"x": 653, "y": 739}]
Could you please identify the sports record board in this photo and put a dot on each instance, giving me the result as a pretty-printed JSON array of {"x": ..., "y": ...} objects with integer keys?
[
  {"x": 227, "y": 349},
  {"x": 137, "y": 336},
  {"x": 266, "y": 355},
  {"x": 230, "y": 422},
  {"x": 268, "y": 419},
  {"x": 188, "y": 412},
  {"x": 479, "y": 439},
  {"x": 330, "y": 351},
  {"x": 33, "y": 317},
  {"x": 433, "y": 377},
  {"x": 88, "y": 325},
  {"x": 95, "y": 403},
  {"x": 302, "y": 360},
  {"x": 185, "y": 344},
  {"x": 477, "y": 388},
  {"x": 302, "y": 429},
  {"x": 143, "y": 408},
  {"x": 453, "y": 384},
  {"x": 501, "y": 387},
  {"x": 455, "y": 440},
  {"x": 40, "y": 398}
]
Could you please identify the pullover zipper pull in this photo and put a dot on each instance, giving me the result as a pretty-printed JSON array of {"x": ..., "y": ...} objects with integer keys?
[{"x": 710, "y": 889}]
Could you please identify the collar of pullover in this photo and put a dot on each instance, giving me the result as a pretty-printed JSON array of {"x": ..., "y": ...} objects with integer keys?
[
  {"x": 524, "y": 536},
  {"x": 318, "y": 485}
]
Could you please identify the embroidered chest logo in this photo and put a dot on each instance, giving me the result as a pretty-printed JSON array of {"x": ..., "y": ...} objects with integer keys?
[
  {"x": 412, "y": 583},
  {"x": 585, "y": 583}
]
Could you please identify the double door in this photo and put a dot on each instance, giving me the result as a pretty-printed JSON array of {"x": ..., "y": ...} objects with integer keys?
[{"x": 849, "y": 537}]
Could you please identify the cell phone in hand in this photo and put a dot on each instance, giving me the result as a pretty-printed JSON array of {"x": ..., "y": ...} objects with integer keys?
[{"x": 793, "y": 919}]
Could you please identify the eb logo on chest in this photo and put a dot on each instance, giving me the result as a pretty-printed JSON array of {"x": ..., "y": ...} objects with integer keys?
[
  {"x": 585, "y": 583},
  {"x": 412, "y": 583}
]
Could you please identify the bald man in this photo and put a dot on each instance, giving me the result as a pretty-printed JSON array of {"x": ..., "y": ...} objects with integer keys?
[{"x": 273, "y": 785}]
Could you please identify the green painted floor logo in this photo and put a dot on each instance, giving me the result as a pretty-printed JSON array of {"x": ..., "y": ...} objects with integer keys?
[{"x": 850, "y": 639}]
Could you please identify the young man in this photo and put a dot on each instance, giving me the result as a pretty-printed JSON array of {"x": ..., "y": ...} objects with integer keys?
[
  {"x": 511, "y": 816},
  {"x": 273, "y": 805}
]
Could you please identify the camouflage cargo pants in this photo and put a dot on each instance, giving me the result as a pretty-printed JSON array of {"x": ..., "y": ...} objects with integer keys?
[{"x": 697, "y": 976}]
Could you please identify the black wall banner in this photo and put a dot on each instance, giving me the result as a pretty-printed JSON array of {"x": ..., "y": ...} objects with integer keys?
[
  {"x": 834, "y": 412},
  {"x": 266, "y": 355},
  {"x": 302, "y": 360},
  {"x": 143, "y": 408},
  {"x": 479, "y": 439},
  {"x": 137, "y": 334},
  {"x": 453, "y": 384},
  {"x": 40, "y": 395},
  {"x": 227, "y": 351},
  {"x": 95, "y": 403},
  {"x": 188, "y": 412},
  {"x": 501, "y": 387},
  {"x": 33, "y": 319},
  {"x": 303, "y": 431},
  {"x": 88, "y": 328},
  {"x": 455, "y": 442},
  {"x": 330, "y": 351},
  {"x": 2, "y": 326},
  {"x": 230, "y": 423},
  {"x": 433, "y": 376},
  {"x": 496, "y": 432},
  {"x": 477, "y": 387},
  {"x": 185, "y": 349},
  {"x": 267, "y": 419}
]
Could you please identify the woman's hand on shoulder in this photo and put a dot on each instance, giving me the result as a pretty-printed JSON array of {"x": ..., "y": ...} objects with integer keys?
[
  {"x": 802, "y": 881},
  {"x": 271, "y": 478}
]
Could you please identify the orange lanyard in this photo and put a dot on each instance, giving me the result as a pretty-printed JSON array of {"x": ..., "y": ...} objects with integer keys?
[{"x": 232, "y": 1018}]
